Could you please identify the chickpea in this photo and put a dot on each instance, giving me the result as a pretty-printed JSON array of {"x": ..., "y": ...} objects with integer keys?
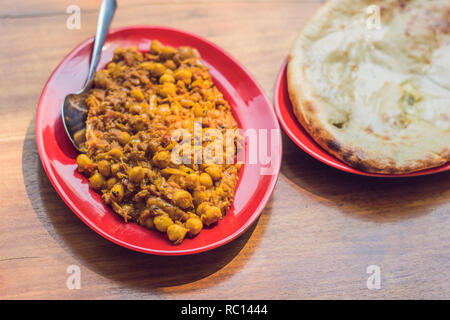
[
  {"x": 198, "y": 110},
  {"x": 111, "y": 66},
  {"x": 186, "y": 52},
  {"x": 115, "y": 167},
  {"x": 194, "y": 225},
  {"x": 215, "y": 171},
  {"x": 136, "y": 174},
  {"x": 161, "y": 159},
  {"x": 183, "y": 199},
  {"x": 146, "y": 65},
  {"x": 201, "y": 196},
  {"x": 101, "y": 79},
  {"x": 183, "y": 75},
  {"x": 124, "y": 137},
  {"x": 80, "y": 136},
  {"x": 154, "y": 146},
  {"x": 205, "y": 179},
  {"x": 197, "y": 83},
  {"x": 111, "y": 182},
  {"x": 138, "y": 123},
  {"x": 137, "y": 108},
  {"x": 176, "y": 233},
  {"x": 152, "y": 204},
  {"x": 118, "y": 51},
  {"x": 157, "y": 69},
  {"x": 116, "y": 192},
  {"x": 136, "y": 93},
  {"x": 83, "y": 162},
  {"x": 201, "y": 209},
  {"x": 178, "y": 179},
  {"x": 167, "y": 52},
  {"x": 167, "y": 89},
  {"x": 156, "y": 47},
  {"x": 97, "y": 181},
  {"x": 126, "y": 210},
  {"x": 104, "y": 168},
  {"x": 212, "y": 215},
  {"x": 166, "y": 78},
  {"x": 186, "y": 103},
  {"x": 164, "y": 110},
  {"x": 162, "y": 222},
  {"x": 115, "y": 153},
  {"x": 170, "y": 64},
  {"x": 148, "y": 223},
  {"x": 192, "y": 180}
]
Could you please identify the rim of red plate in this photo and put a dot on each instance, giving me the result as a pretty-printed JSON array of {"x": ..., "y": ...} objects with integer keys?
[
  {"x": 289, "y": 123},
  {"x": 45, "y": 161}
]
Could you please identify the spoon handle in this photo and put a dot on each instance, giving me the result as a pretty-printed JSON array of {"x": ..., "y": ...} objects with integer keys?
[{"x": 105, "y": 15}]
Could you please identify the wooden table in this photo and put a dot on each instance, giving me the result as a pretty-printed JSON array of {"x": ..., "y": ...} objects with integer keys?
[{"x": 318, "y": 235}]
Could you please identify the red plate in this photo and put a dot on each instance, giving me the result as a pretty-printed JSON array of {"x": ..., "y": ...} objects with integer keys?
[
  {"x": 249, "y": 104},
  {"x": 285, "y": 114}
]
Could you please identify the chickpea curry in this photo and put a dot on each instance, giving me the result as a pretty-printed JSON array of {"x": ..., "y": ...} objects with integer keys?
[{"x": 134, "y": 106}]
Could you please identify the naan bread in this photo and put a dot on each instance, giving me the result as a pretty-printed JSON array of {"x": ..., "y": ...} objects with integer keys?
[{"x": 378, "y": 99}]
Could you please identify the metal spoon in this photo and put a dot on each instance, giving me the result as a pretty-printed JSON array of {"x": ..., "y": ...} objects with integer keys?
[{"x": 74, "y": 110}]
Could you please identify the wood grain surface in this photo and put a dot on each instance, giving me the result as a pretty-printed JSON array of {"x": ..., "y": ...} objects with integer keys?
[{"x": 320, "y": 231}]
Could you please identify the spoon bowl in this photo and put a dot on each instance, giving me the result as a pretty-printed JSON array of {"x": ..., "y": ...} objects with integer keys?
[
  {"x": 74, "y": 114},
  {"x": 74, "y": 109}
]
